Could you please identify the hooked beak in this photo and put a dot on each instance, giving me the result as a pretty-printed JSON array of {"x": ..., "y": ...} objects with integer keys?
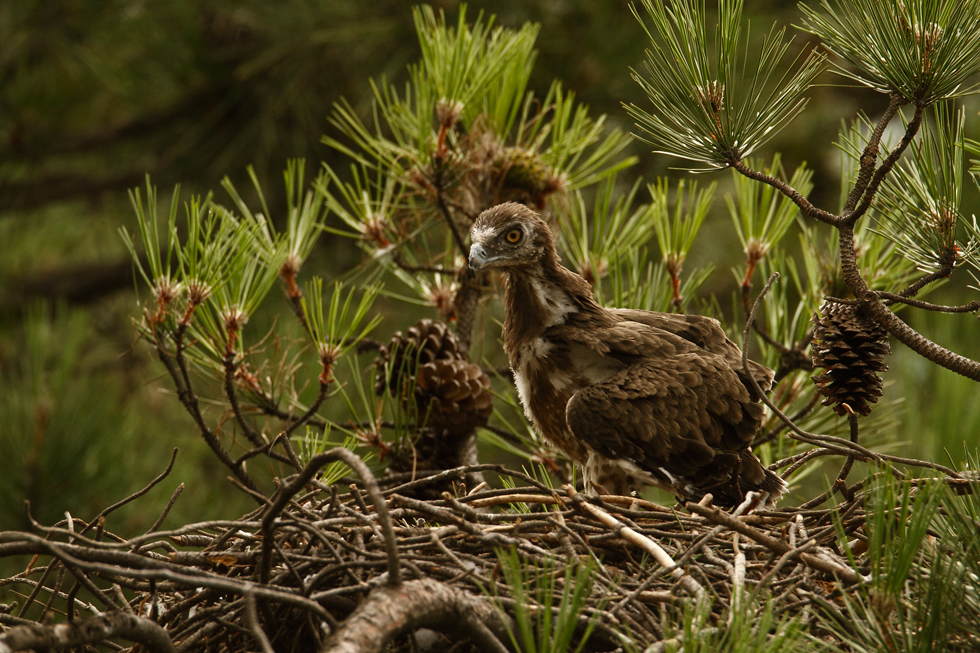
[{"x": 478, "y": 258}]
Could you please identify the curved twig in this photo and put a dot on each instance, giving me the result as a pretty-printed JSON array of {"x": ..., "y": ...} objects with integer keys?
[
  {"x": 252, "y": 617},
  {"x": 787, "y": 190},
  {"x": 391, "y": 611},
  {"x": 93, "y": 630},
  {"x": 870, "y": 155},
  {"x": 300, "y": 480},
  {"x": 918, "y": 303},
  {"x": 232, "y": 394},
  {"x": 657, "y": 552},
  {"x": 848, "y": 219}
]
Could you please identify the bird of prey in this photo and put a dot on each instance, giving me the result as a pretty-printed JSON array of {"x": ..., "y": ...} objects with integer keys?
[{"x": 635, "y": 397}]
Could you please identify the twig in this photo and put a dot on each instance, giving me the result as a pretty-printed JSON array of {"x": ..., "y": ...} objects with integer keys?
[
  {"x": 232, "y": 394},
  {"x": 943, "y": 272},
  {"x": 252, "y": 617},
  {"x": 738, "y": 580},
  {"x": 94, "y": 630},
  {"x": 848, "y": 219},
  {"x": 299, "y": 481},
  {"x": 841, "y": 482},
  {"x": 870, "y": 155},
  {"x": 783, "y": 560},
  {"x": 917, "y": 303},
  {"x": 163, "y": 515},
  {"x": 397, "y": 260},
  {"x": 391, "y": 611},
  {"x": 135, "y": 495},
  {"x": 655, "y": 550},
  {"x": 787, "y": 190},
  {"x": 819, "y": 563},
  {"x": 303, "y": 419}
]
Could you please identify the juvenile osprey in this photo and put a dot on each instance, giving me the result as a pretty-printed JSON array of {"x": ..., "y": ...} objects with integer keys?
[{"x": 635, "y": 397}]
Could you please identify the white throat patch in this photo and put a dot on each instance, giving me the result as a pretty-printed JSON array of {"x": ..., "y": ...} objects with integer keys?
[{"x": 555, "y": 302}]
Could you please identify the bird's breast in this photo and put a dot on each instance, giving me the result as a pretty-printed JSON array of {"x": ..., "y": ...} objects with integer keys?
[{"x": 547, "y": 374}]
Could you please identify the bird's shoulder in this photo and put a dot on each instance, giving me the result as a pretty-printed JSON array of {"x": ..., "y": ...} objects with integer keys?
[{"x": 615, "y": 334}]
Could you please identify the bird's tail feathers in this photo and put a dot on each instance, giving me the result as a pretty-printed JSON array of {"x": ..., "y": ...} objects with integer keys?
[{"x": 753, "y": 476}]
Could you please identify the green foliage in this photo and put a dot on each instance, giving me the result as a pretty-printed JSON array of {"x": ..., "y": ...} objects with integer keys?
[
  {"x": 703, "y": 109},
  {"x": 926, "y": 50},
  {"x": 66, "y": 423},
  {"x": 342, "y": 327},
  {"x": 601, "y": 239},
  {"x": 919, "y": 206},
  {"x": 760, "y": 213},
  {"x": 548, "y": 603},
  {"x": 676, "y": 232},
  {"x": 920, "y": 555},
  {"x": 751, "y": 628},
  {"x": 463, "y": 135}
]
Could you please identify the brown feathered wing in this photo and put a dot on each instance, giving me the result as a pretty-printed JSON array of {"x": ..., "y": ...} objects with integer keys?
[{"x": 679, "y": 409}]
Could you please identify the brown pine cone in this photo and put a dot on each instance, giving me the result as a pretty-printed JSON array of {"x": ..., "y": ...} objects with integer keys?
[
  {"x": 425, "y": 342},
  {"x": 852, "y": 349},
  {"x": 453, "y": 395},
  {"x": 424, "y": 369}
]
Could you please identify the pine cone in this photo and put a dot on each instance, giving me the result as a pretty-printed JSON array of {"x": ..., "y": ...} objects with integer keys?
[
  {"x": 425, "y": 342},
  {"x": 453, "y": 395},
  {"x": 523, "y": 171},
  {"x": 852, "y": 349},
  {"x": 425, "y": 370}
]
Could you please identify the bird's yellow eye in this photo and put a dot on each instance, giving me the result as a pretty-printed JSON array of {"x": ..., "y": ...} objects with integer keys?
[{"x": 514, "y": 235}]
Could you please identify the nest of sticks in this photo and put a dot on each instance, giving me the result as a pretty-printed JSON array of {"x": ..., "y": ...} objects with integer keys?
[{"x": 377, "y": 568}]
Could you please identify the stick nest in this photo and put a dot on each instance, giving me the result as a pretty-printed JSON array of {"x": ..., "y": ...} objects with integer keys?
[{"x": 313, "y": 569}]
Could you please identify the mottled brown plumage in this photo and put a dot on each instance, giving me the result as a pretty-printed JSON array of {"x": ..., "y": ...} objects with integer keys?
[{"x": 636, "y": 397}]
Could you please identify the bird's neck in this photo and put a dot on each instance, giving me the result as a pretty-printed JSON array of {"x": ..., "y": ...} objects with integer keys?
[{"x": 539, "y": 297}]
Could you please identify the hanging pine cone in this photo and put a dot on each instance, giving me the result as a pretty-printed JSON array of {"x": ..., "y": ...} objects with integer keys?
[
  {"x": 425, "y": 342},
  {"x": 852, "y": 349},
  {"x": 453, "y": 395},
  {"x": 425, "y": 370}
]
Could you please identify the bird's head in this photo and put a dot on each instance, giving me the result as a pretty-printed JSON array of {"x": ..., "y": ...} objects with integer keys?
[{"x": 509, "y": 236}]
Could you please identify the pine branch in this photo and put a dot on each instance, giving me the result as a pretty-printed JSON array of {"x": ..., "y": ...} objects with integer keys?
[
  {"x": 870, "y": 155},
  {"x": 808, "y": 209},
  {"x": 884, "y": 169}
]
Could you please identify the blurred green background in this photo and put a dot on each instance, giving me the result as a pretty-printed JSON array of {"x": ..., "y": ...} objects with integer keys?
[{"x": 94, "y": 96}]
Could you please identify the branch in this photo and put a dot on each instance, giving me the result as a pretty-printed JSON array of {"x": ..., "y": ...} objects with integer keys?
[
  {"x": 840, "y": 483},
  {"x": 787, "y": 190},
  {"x": 942, "y": 273},
  {"x": 94, "y": 630},
  {"x": 918, "y": 303},
  {"x": 392, "y": 611},
  {"x": 849, "y": 218},
  {"x": 300, "y": 480},
  {"x": 451, "y": 222},
  {"x": 877, "y": 311},
  {"x": 870, "y": 155},
  {"x": 189, "y": 400},
  {"x": 818, "y": 562},
  {"x": 303, "y": 419},
  {"x": 232, "y": 395},
  {"x": 397, "y": 260}
]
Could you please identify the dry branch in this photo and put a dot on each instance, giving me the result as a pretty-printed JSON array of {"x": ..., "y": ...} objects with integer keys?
[
  {"x": 391, "y": 611},
  {"x": 326, "y": 558},
  {"x": 94, "y": 630}
]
